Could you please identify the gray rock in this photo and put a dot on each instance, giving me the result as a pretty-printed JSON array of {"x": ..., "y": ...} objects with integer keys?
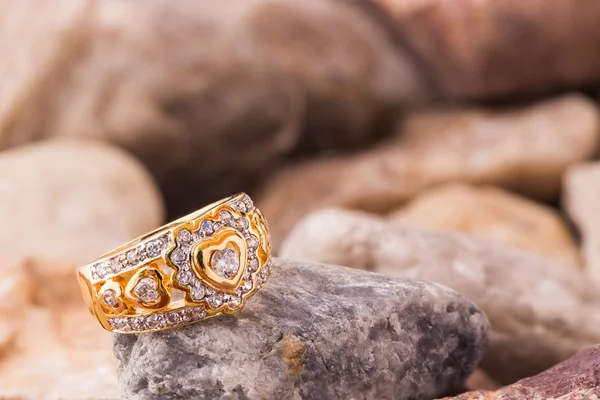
[
  {"x": 541, "y": 312},
  {"x": 315, "y": 332}
]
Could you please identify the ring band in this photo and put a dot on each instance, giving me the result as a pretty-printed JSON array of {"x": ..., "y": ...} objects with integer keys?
[{"x": 199, "y": 266}]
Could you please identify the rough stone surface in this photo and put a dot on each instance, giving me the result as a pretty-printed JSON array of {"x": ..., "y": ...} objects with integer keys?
[
  {"x": 210, "y": 95},
  {"x": 541, "y": 313},
  {"x": 523, "y": 149},
  {"x": 581, "y": 198},
  {"x": 487, "y": 48},
  {"x": 574, "y": 379},
  {"x": 55, "y": 349},
  {"x": 314, "y": 332},
  {"x": 496, "y": 215},
  {"x": 73, "y": 200}
]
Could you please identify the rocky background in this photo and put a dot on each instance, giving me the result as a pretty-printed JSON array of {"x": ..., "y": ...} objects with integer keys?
[{"x": 447, "y": 148}]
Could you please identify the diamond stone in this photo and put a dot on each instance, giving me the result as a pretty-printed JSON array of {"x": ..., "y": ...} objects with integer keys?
[
  {"x": 103, "y": 269},
  {"x": 226, "y": 217},
  {"x": 252, "y": 242},
  {"x": 215, "y": 300},
  {"x": 248, "y": 202},
  {"x": 242, "y": 223},
  {"x": 146, "y": 290},
  {"x": 173, "y": 318},
  {"x": 153, "y": 321},
  {"x": 239, "y": 206},
  {"x": 198, "y": 293},
  {"x": 153, "y": 248},
  {"x": 185, "y": 236},
  {"x": 184, "y": 277},
  {"x": 136, "y": 323},
  {"x": 110, "y": 298},
  {"x": 132, "y": 257},
  {"x": 247, "y": 286},
  {"x": 234, "y": 302},
  {"x": 253, "y": 265},
  {"x": 119, "y": 324},
  {"x": 207, "y": 227},
  {"x": 196, "y": 313},
  {"x": 178, "y": 256},
  {"x": 225, "y": 262}
]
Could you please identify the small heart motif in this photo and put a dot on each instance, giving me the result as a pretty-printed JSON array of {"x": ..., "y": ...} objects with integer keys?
[{"x": 146, "y": 288}]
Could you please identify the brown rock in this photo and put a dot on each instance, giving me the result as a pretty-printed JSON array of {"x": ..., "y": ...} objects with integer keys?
[
  {"x": 573, "y": 379},
  {"x": 73, "y": 200},
  {"x": 541, "y": 313},
  {"x": 524, "y": 149},
  {"x": 210, "y": 95},
  {"x": 488, "y": 48},
  {"x": 581, "y": 199},
  {"x": 493, "y": 214}
]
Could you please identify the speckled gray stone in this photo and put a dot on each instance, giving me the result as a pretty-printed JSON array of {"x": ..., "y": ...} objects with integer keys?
[{"x": 314, "y": 332}]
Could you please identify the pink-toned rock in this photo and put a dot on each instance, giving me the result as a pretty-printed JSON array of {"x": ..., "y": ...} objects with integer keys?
[
  {"x": 488, "y": 48},
  {"x": 496, "y": 215},
  {"x": 525, "y": 149},
  {"x": 577, "y": 378},
  {"x": 541, "y": 312}
]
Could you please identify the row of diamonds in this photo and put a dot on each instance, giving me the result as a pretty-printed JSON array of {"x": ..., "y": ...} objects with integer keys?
[
  {"x": 157, "y": 321},
  {"x": 133, "y": 257},
  {"x": 181, "y": 316},
  {"x": 263, "y": 275},
  {"x": 154, "y": 248},
  {"x": 243, "y": 205}
]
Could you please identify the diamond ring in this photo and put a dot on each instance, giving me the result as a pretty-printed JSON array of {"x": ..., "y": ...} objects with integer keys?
[{"x": 199, "y": 266}]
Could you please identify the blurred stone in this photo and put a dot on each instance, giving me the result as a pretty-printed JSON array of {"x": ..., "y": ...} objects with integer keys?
[
  {"x": 73, "y": 200},
  {"x": 210, "y": 95},
  {"x": 574, "y": 379},
  {"x": 581, "y": 198},
  {"x": 60, "y": 353},
  {"x": 315, "y": 332},
  {"x": 56, "y": 350},
  {"x": 485, "y": 48},
  {"x": 525, "y": 149},
  {"x": 541, "y": 313},
  {"x": 496, "y": 215},
  {"x": 64, "y": 288},
  {"x": 479, "y": 380},
  {"x": 15, "y": 290}
]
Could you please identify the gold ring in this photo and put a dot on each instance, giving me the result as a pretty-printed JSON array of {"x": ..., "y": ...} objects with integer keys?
[{"x": 204, "y": 264}]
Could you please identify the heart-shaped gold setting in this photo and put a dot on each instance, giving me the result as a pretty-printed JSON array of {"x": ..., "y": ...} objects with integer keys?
[
  {"x": 146, "y": 288},
  {"x": 220, "y": 262}
]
